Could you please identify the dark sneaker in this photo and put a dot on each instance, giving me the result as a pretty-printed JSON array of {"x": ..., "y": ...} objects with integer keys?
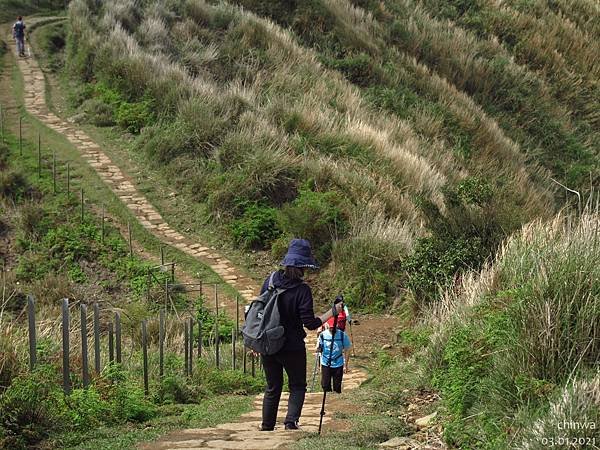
[
  {"x": 262, "y": 428},
  {"x": 292, "y": 426}
]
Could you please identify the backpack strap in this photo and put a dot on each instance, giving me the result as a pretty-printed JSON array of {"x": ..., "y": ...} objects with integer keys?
[{"x": 271, "y": 285}]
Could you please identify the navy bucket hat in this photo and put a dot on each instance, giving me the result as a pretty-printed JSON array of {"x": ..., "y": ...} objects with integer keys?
[{"x": 299, "y": 254}]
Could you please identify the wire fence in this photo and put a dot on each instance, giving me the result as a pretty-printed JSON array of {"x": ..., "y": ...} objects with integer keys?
[
  {"x": 89, "y": 331},
  {"x": 84, "y": 332}
]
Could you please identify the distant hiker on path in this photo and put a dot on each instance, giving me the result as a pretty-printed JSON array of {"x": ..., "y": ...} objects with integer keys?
[
  {"x": 334, "y": 362},
  {"x": 19, "y": 35},
  {"x": 296, "y": 310}
]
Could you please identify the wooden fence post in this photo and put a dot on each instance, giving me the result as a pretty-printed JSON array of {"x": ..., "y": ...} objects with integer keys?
[
  {"x": 216, "y": 326},
  {"x": 161, "y": 343},
  {"x": 191, "y": 349},
  {"x": 97, "y": 338},
  {"x": 186, "y": 347},
  {"x": 102, "y": 225},
  {"x": 39, "y": 166},
  {"x": 253, "y": 366},
  {"x": 65, "y": 338},
  {"x": 245, "y": 360},
  {"x": 84, "y": 347},
  {"x": 166, "y": 294},
  {"x": 32, "y": 338},
  {"x": 68, "y": 179},
  {"x": 111, "y": 343},
  {"x": 237, "y": 314},
  {"x": 82, "y": 205},
  {"x": 145, "y": 355},
  {"x": 20, "y": 136},
  {"x": 199, "y": 339},
  {"x": 233, "y": 348},
  {"x": 118, "y": 336},
  {"x": 54, "y": 171}
]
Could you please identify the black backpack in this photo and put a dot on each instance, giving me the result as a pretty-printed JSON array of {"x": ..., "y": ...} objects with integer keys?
[
  {"x": 19, "y": 29},
  {"x": 262, "y": 330}
]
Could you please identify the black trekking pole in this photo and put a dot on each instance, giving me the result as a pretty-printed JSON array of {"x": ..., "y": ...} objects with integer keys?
[{"x": 338, "y": 299}]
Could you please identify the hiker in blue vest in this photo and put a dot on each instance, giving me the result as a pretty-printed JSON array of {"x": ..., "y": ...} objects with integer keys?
[
  {"x": 296, "y": 310},
  {"x": 333, "y": 363},
  {"x": 19, "y": 35}
]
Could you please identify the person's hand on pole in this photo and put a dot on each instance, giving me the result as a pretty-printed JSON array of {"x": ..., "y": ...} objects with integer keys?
[{"x": 329, "y": 314}]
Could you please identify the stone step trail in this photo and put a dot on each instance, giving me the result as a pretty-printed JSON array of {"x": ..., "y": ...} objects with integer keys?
[
  {"x": 244, "y": 434},
  {"x": 123, "y": 186}
]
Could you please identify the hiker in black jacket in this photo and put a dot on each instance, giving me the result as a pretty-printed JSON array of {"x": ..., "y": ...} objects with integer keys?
[{"x": 296, "y": 309}]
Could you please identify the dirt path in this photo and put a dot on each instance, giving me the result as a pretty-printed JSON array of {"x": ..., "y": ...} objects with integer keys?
[
  {"x": 121, "y": 183},
  {"x": 244, "y": 434}
]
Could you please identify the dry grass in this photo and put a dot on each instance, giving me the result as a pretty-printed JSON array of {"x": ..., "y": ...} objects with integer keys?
[
  {"x": 294, "y": 75},
  {"x": 573, "y": 417}
]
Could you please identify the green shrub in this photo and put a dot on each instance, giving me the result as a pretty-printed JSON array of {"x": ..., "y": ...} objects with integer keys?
[
  {"x": 257, "y": 227},
  {"x": 219, "y": 381},
  {"x": 464, "y": 367},
  {"x": 437, "y": 259},
  {"x": 32, "y": 407},
  {"x": 135, "y": 116},
  {"x": 125, "y": 398},
  {"x": 86, "y": 408},
  {"x": 69, "y": 244},
  {"x": 358, "y": 69},
  {"x": 367, "y": 272},
  {"x": 207, "y": 317},
  {"x": 175, "y": 389},
  {"x": 13, "y": 185},
  {"x": 475, "y": 191},
  {"x": 98, "y": 113},
  {"x": 318, "y": 217},
  {"x": 108, "y": 95}
]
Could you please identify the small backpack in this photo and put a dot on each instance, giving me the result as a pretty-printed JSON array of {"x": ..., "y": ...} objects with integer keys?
[
  {"x": 19, "y": 29},
  {"x": 341, "y": 321},
  {"x": 262, "y": 328}
]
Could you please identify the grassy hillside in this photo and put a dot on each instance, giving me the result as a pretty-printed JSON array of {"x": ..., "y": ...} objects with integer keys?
[
  {"x": 512, "y": 352},
  {"x": 404, "y": 146}
]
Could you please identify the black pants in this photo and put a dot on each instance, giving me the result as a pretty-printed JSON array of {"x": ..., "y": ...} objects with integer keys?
[
  {"x": 329, "y": 373},
  {"x": 294, "y": 363}
]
